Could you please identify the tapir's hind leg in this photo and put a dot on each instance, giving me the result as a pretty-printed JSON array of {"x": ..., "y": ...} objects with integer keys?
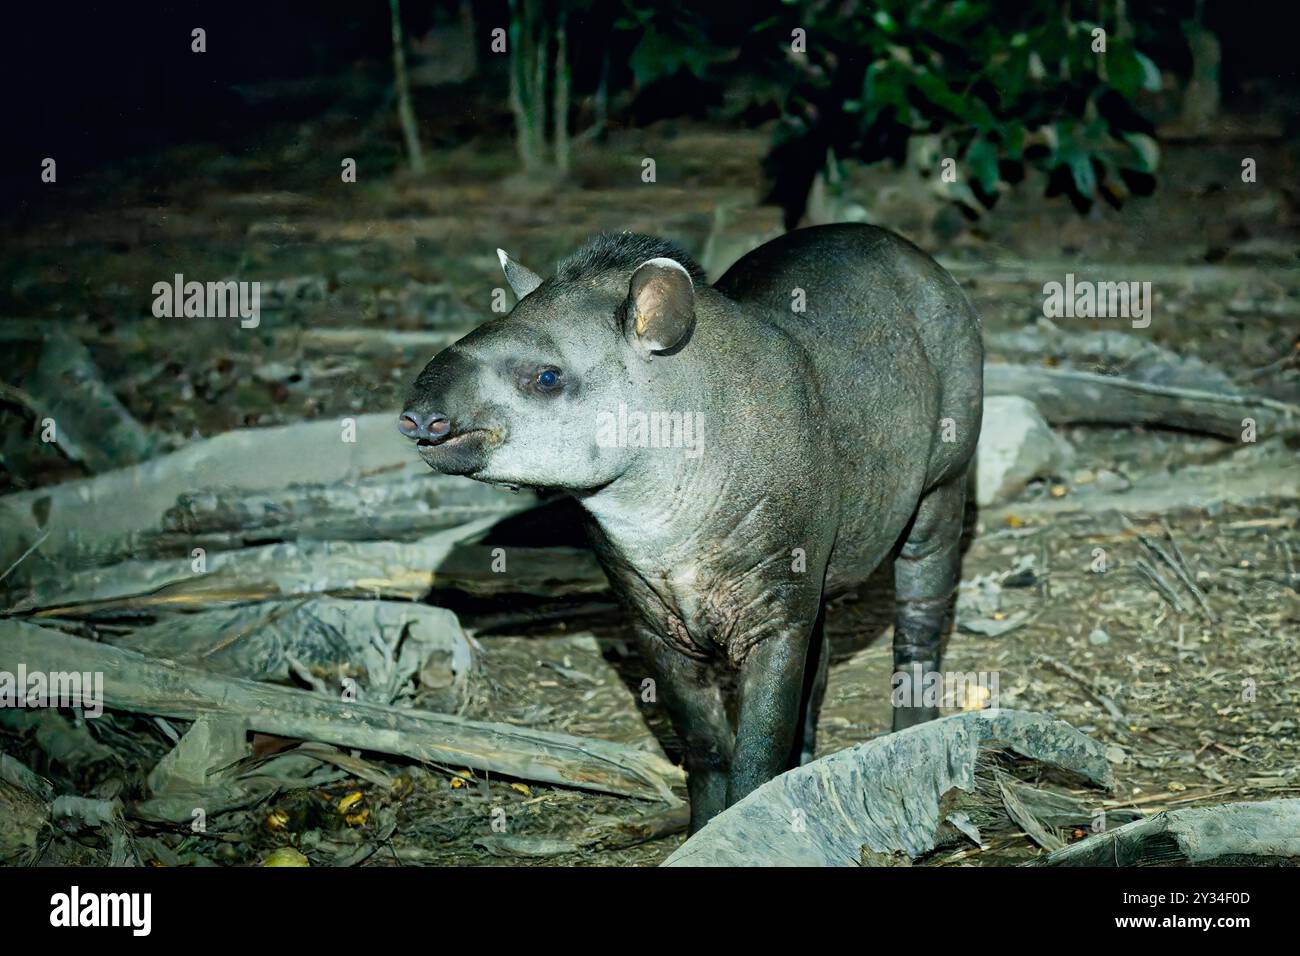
[{"x": 926, "y": 572}]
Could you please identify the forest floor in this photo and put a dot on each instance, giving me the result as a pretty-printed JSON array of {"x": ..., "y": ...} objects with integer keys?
[{"x": 1197, "y": 697}]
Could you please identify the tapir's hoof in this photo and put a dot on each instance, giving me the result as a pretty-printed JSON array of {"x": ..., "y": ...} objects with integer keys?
[{"x": 905, "y": 717}]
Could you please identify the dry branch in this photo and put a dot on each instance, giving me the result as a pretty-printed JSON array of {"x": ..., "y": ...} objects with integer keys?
[
  {"x": 369, "y": 569},
  {"x": 140, "y": 684},
  {"x": 92, "y": 425},
  {"x": 95, "y": 513},
  {"x": 392, "y": 569},
  {"x": 1231, "y": 834},
  {"x": 1068, "y": 397}
]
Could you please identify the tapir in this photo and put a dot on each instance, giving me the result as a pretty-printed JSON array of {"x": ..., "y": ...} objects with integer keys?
[{"x": 742, "y": 452}]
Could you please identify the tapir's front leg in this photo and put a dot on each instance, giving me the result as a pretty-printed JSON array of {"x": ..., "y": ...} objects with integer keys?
[
  {"x": 687, "y": 689},
  {"x": 771, "y": 691}
]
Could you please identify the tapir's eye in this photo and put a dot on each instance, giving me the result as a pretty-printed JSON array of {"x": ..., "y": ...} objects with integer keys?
[{"x": 547, "y": 379}]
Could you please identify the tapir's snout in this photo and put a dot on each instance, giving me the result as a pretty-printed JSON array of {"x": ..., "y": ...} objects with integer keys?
[
  {"x": 441, "y": 416},
  {"x": 419, "y": 425},
  {"x": 435, "y": 403}
]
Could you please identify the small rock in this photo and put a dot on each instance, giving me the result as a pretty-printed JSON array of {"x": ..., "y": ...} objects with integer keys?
[
  {"x": 271, "y": 372},
  {"x": 1098, "y": 637},
  {"x": 1023, "y": 578},
  {"x": 1016, "y": 445},
  {"x": 1109, "y": 481},
  {"x": 993, "y": 627}
]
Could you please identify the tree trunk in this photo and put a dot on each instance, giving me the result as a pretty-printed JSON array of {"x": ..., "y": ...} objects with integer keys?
[
  {"x": 561, "y": 103},
  {"x": 541, "y": 40},
  {"x": 1201, "y": 97},
  {"x": 405, "y": 113},
  {"x": 527, "y": 74}
]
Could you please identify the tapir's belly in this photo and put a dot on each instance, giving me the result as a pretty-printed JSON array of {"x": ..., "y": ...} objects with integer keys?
[{"x": 865, "y": 541}]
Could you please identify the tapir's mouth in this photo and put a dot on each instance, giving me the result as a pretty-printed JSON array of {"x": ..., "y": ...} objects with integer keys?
[
  {"x": 461, "y": 453},
  {"x": 450, "y": 439}
]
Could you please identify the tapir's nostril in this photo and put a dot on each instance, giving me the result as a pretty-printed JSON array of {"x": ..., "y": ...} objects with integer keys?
[{"x": 416, "y": 426}]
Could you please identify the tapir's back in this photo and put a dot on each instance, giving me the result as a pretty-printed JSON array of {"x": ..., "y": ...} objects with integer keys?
[
  {"x": 854, "y": 278},
  {"x": 895, "y": 342}
]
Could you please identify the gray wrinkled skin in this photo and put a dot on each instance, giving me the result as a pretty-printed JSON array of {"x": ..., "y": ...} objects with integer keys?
[{"x": 822, "y": 453}]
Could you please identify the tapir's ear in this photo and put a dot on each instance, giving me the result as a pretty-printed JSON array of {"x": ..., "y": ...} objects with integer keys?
[
  {"x": 522, "y": 279},
  {"x": 660, "y": 305}
]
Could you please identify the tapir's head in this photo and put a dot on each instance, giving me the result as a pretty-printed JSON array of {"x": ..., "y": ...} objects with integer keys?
[{"x": 521, "y": 399}]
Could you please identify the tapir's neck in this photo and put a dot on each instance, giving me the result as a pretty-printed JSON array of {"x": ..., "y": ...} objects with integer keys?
[
  {"x": 656, "y": 513},
  {"x": 678, "y": 499}
]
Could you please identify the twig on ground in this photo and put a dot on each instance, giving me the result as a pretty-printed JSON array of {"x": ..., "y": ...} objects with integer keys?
[{"x": 1067, "y": 671}]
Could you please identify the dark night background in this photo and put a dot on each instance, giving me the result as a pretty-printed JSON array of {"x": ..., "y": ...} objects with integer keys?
[{"x": 95, "y": 83}]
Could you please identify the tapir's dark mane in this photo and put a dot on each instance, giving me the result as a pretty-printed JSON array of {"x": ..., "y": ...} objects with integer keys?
[{"x": 622, "y": 252}]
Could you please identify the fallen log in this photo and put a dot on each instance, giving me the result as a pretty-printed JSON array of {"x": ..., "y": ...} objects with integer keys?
[
  {"x": 375, "y": 569},
  {"x": 391, "y": 524},
  {"x": 887, "y": 798},
  {"x": 347, "y": 338},
  {"x": 1266, "y": 833},
  {"x": 1068, "y": 397},
  {"x": 355, "y": 340},
  {"x": 140, "y": 684},
  {"x": 1108, "y": 352},
  {"x": 488, "y": 571},
  {"x": 402, "y": 505},
  {"x": 388, "y": 569},
  {"x": 413, "y": 491},
  {"x": 1258, "y": 472},
  {"x": 106, "y": 511}
]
